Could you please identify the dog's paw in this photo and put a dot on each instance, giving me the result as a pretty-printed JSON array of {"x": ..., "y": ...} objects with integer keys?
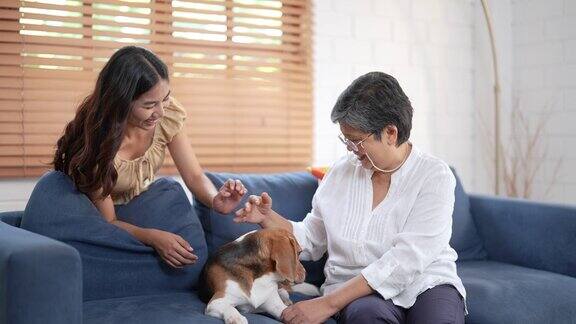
[
  {"x": 283, "y": 293},
  {"x": 235, "y": 318},
  {"x": 246, "y": 308}
]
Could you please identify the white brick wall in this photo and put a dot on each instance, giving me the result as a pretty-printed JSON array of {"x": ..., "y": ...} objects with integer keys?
[
  {"x": 544, "y": 38},
  {"x": 483, "y": 144},
  {"x": 439, "y": 51},
  {"x": 427, "y": 45}
]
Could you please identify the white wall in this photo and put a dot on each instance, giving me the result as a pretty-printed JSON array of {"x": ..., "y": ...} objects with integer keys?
[
  {"x": 440, "y": 53},
  {"x": 427, "y": 45},
  {"x": 483, "y": 144},
  {"x": 15, "y": 193},
  {"x": 544, "y": 54}
]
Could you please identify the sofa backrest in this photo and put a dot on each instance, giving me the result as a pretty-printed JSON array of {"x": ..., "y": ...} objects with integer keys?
[
  {"x": 465, "y": 238},
  {"x": 292, "y": 194},
  {"x": 292, "y": 197}
]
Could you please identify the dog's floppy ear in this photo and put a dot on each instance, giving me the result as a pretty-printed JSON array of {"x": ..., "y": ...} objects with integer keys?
[
  {"x": 285, "y": 257},
  {"x": 284, "y": 253}
]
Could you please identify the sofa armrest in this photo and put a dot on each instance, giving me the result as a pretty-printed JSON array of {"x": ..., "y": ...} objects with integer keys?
[
  {"x": 40, "y": 279},
  {"x": 531, "y": 234}
]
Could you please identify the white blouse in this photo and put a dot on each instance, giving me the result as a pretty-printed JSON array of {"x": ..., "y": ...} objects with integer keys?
[{"x": 401, "y": 247}]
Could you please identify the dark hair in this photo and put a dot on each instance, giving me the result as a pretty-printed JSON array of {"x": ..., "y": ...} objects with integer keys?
[
  {"x": 86, "y": 150},
  {"x": 372, "y": 102}
]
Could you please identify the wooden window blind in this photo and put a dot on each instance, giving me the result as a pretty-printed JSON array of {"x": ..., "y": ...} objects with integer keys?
[{"x": 242, "y": 69}]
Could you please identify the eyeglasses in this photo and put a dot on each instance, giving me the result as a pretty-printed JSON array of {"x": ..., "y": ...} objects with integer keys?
[{"x": 351, "y": 146}]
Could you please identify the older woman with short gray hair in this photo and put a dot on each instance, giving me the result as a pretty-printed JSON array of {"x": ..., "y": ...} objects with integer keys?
[{"x": 384, "y": 215}]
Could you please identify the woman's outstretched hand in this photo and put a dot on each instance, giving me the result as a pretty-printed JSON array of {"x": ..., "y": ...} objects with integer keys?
[
  {"x": 172, "y": 248},
  {"x": 228, "y": 196},
  {"x": 256, "y": 210}
]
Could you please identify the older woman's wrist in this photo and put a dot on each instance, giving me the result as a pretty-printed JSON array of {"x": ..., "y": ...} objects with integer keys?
[
  {"x": 333, "y": 303},
  {"x": 268, "y": 221},
  {"x": 275, "y": 220}
]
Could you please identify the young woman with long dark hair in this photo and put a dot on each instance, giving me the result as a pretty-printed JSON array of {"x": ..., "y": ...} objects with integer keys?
[{"x": 116, "y": 143}]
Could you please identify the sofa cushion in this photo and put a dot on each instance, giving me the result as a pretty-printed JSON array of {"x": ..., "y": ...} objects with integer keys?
[
  {"x": 116, "y": 264},
  {"x": 292, "y": 198},
  {"x": 503, "y": 293},
  {"x": 175, "y": 308},
  {"x": 465, "y": 239}
]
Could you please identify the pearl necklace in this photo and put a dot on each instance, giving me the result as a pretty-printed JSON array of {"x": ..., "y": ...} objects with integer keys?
[{"x": 391, "y": 170}]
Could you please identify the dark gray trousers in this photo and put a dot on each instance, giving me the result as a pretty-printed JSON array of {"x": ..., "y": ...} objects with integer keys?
[{"x": 438, "y": 305}]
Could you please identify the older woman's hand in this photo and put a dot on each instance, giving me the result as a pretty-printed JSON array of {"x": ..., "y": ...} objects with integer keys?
[
  {"x": 256, "y": 210},
  {"x": 228, "y": 196},
  {"x": 312, "y": 311}
]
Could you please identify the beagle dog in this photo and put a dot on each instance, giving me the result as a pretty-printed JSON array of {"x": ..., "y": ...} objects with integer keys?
[{"x": 253, "y": 273}]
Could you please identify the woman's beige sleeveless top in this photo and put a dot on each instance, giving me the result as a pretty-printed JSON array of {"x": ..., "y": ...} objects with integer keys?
[{"x": 134, "y": 176}]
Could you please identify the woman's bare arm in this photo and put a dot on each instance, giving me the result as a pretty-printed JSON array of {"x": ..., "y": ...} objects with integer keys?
[
  {"x": 172, "y": 248},
  {"x": 223, "y": 200},
  {"x": 106, "y": 207}
]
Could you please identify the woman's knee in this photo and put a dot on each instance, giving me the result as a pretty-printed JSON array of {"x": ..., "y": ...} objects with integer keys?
[
  {"x": 441, "y": 304},
  {"x": 371, "y": 309}
]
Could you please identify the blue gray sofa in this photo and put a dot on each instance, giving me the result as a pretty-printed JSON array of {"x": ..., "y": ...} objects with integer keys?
[{"x": 517, "y": 260}]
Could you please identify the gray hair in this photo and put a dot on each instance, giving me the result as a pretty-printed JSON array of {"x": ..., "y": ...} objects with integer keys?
[{"x": 372, "y": 102}]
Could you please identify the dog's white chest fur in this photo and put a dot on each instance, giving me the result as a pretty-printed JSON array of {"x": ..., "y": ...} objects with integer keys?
[{"x": 262, "y": 288}]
